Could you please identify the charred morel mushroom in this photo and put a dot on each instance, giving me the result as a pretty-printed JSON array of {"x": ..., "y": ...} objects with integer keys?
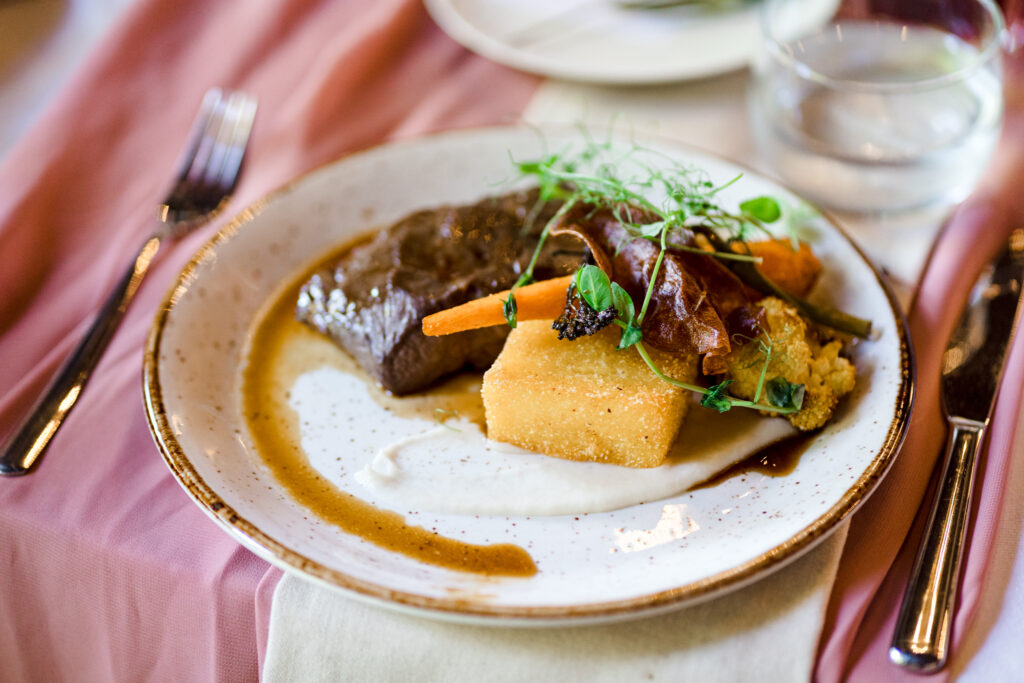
[{"x": 581, "y": 319}]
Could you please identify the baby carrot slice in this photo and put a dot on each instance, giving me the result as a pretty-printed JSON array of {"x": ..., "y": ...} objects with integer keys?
[{"x": 544, "y": 300}]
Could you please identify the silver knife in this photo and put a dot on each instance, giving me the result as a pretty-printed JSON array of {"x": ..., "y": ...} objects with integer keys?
[{"x": 972, "y": 368}]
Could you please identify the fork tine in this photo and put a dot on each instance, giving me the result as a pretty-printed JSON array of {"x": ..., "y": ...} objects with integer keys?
[
  {"x": 212, "y": 161},
  {"x": 211, "y": 100},
  {"x": 207, "y": 139},
  {"x": 211, "y": 167},
  {"x": 225, "y": 157},
  {"x": 238, "y": 143}
]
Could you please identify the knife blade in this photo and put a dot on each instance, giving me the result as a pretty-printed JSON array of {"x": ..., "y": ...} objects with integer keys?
[{"x": 972, "y": 368}]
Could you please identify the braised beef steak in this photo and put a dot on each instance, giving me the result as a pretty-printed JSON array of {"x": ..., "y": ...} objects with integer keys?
[{"x": 373, "y": 300}]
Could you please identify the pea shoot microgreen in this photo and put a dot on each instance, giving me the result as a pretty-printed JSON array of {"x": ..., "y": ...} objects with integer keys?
[
  {"x": 785, "y": 394},
  {"x": 677, "y": 203},
  {"x": 597, "y": 290},
  {"x": 716, "y": 397},
  {"x": 681, "y": 200},
  {"x": 509, "y": 307},
  {"x": 687, "y": 199},
  {"x": 594, "y": 287},
  {"x": 764, "y": 209}
]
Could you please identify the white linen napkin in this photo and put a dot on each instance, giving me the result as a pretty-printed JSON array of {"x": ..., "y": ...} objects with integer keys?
[{"x": 766, "y": 631}]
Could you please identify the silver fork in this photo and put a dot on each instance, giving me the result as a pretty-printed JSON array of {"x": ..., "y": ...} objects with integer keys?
[{"x": 208, "y": 170}]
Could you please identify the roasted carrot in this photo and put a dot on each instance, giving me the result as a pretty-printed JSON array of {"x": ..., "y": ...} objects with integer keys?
[
  {"x": 795, "y": 270},
  {"x": 543, "y": 300}
]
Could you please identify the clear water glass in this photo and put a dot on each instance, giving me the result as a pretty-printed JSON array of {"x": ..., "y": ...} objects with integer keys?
[{"x": 878, "y": 106}]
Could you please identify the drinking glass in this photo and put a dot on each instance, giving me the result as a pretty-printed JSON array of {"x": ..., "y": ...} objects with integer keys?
[{"x": 878, "y": 105}]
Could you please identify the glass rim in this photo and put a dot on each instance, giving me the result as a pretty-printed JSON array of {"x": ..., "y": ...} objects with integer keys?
[{"x": 778, "y": 50}]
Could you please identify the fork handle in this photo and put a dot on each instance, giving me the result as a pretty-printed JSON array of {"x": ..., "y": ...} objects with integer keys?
[
  {"x": 30, "y": 438},
  {"x": 922, "y": 636}
]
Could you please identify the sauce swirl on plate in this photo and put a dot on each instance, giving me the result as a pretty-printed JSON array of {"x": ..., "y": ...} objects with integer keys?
[{"x": 280, "y": 350}]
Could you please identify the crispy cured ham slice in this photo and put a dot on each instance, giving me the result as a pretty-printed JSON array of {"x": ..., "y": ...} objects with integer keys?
[{"x": 697, "y": 303}]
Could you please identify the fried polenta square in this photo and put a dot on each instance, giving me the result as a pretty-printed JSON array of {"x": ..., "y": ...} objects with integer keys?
[{"x": 584, "y": 399}]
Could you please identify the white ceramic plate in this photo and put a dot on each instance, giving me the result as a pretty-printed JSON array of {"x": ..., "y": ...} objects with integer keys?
[
  {"x": 591, "y": 567},
  {"x": 600, "y": 41}
]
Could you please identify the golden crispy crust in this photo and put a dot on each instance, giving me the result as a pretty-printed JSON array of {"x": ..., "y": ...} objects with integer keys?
[{"x": 583, "y": 399}]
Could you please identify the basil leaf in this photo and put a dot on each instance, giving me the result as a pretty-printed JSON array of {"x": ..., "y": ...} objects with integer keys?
[
  {"x": 764, "y": 209},
  {"x": 783, "y": 394},
  {"x": 509, "y": 309},
  {"x": 594, "y": 287},
  {"x": 631, "y": 335},
  {"x": 623, "y": 303},
  {"x": 716, "y": 397}
]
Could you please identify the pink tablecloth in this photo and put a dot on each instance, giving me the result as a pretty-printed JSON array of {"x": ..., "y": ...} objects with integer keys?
[{"x": 109, "y": 571}]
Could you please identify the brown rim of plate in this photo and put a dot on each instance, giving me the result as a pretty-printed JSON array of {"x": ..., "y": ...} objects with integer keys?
[{"x": 277, "y": 552}]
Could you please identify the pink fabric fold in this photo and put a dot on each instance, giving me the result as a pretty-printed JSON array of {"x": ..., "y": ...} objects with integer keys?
[
  {"x": 885, "y": 534},
  {"x": 110, "y": 572}
]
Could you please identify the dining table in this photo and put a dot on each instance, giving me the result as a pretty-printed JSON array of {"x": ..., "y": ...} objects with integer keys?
[{"x": 111, "y": 572}]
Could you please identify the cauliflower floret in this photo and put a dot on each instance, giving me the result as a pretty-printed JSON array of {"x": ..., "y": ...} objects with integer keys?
[
  {"x": 798, "y": 358},
  {"x": 834, "y": 371},
  {"x": 791, "y": 354}
]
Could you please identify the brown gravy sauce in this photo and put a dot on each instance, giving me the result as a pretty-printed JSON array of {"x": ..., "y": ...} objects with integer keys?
[
  {"x": 775, "y": 460},
  {"x": 281, "y": 350}
]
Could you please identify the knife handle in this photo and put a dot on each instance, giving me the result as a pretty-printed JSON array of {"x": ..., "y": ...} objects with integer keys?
[{"x": 920, "y": 641}]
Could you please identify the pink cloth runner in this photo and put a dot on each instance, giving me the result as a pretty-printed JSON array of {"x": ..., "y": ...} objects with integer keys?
[
  {"x": 879, "y": 552},
  {"x": 110, "y": 572}
]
